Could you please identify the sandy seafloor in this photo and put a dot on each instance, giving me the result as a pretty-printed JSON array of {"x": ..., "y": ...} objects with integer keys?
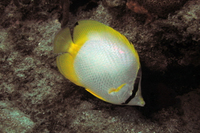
[{"x": 36, "y": 98}]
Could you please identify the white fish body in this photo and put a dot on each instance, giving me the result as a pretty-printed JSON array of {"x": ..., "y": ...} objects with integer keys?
[{"x": 101, "y": 60}]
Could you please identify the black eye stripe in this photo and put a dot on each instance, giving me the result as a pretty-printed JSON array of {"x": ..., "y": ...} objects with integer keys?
[{"x": 136, "y": 85}]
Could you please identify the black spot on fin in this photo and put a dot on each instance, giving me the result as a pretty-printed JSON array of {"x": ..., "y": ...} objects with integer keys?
[{"x": 76, "y": 24}]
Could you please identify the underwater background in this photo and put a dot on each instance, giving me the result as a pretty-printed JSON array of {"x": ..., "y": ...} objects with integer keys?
[{"x": 36, "y": 98}]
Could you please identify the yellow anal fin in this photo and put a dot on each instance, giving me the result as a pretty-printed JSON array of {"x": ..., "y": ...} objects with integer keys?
[
  {"x": 115, "y": 90},
  {"x": 65, "y": 66},
  {"x": 96, "y": 95}
]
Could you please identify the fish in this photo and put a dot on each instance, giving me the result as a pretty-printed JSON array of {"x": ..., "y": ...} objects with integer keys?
[{"x": 101, "y": 60}]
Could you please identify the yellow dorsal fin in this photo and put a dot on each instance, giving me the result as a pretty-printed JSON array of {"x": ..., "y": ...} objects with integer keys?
[
  {"x": 90, "y": 29},
  {"x": 115, "y": 90},
  {"x": 96, "y": 95},
  {"x": 87, "y": 28},
  {"x": 62, "y": 41}
]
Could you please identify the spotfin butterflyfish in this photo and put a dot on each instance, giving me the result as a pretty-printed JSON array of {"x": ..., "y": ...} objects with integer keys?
[{"x": 101, "y": 60}]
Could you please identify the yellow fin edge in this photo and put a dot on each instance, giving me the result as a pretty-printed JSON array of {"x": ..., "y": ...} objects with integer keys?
[
  {"x": 95, "y": 94},
  {"x": 67, "y": 68}
]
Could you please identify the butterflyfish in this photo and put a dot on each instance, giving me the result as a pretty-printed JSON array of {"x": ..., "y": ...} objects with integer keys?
[{"x": 101, "y": 60}]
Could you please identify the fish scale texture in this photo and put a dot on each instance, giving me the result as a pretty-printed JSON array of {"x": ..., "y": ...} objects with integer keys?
[{"x": 101, "y": 65}]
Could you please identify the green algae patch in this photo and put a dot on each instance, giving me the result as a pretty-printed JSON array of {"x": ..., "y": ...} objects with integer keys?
[{"x": 12, "y": 120}]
